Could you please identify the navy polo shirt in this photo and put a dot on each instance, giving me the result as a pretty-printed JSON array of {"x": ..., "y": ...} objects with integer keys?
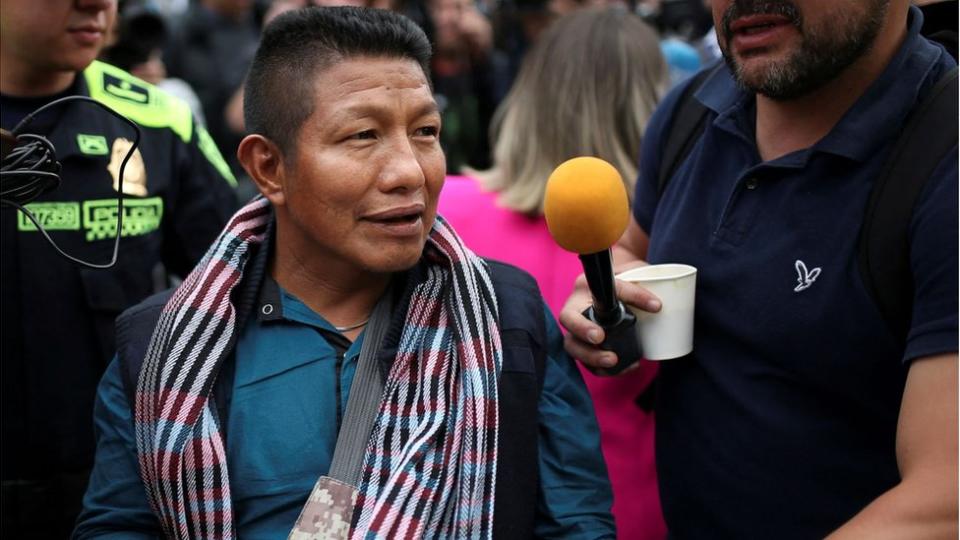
[{"x": 782, "y": 422}]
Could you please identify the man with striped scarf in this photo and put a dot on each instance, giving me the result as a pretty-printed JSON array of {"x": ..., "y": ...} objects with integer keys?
[{"x": 229, "y": 394}]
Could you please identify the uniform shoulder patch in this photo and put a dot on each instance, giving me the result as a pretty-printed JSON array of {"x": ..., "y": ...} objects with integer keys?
[
  {"x": 126, "y": 89},
  {"x": 138, "y": 100}
]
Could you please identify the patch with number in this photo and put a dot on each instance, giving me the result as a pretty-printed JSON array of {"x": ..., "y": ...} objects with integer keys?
[
  {"x": 140, "y": 216},
  {"x": 92, "y": 145},
  {"x": 53, "y": 216}
]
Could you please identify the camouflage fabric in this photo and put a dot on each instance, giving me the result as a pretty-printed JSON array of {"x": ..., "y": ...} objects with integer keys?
[{"x": 327, "y": 513}]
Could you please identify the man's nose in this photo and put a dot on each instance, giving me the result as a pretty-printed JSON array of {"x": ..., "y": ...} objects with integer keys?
[
  {"x": 402, "y": 168},
  {"x": 95, "y": 5}
]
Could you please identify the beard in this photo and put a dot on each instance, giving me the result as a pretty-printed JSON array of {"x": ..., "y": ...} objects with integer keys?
[{"x": 823, "y": 53}]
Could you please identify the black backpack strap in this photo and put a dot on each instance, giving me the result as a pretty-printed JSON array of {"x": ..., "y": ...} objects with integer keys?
[
  {"x": 929, "y": 134},
  {"x": 689, "y": 121}
]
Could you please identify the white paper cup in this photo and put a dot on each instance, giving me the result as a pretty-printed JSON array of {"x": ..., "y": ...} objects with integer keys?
[{"x": 669, "y": 332}]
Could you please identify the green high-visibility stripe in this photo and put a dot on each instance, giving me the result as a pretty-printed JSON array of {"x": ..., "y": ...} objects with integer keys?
[
  {"x": 146, "y": 105},
  {"x": 212, "y": 153}
]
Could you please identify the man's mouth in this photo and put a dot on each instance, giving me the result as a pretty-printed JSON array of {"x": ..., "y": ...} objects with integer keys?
[
  {"x": 399, "y": 221},
  {"x": 400, "y": 215},
  {"x": 86, "y": 34},
  {"x": 406, "y": 218},
  {"x": 756, "y": 24},
  {"x": 751, "y": 34}
]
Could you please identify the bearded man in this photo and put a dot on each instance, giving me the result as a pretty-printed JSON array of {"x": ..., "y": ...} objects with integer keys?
[{"x": 800, "y": 413}]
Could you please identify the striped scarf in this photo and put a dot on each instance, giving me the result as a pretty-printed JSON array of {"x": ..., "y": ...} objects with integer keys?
[{"x": 430, "y": 464}]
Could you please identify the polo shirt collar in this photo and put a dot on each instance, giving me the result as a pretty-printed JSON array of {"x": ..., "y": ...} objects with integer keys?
[
  {"x": 276, "y": 304},
  {"x": 883, "y": 106},
  {"x": 269, "y": 302}
]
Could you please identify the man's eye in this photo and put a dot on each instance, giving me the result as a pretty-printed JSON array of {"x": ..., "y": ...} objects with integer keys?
[
  {"x": 427, "y": 131},
  {"x": 367, "y": 134}
]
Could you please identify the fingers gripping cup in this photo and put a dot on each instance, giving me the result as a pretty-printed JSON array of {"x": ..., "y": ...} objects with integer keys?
[{"x": 668, "y": 333}]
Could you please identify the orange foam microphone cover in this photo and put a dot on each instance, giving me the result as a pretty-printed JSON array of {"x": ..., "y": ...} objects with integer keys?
[{"x": 586, "y": 205}]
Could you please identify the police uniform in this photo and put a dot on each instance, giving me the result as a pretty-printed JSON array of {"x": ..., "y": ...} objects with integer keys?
[{"x": 58, "y": 318}]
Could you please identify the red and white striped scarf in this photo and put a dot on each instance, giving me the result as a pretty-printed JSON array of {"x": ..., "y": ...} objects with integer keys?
[{"x": 430, "y": 465}]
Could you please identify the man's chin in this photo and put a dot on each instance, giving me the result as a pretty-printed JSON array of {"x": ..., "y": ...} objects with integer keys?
[
  {"x": 768, "y": 76},
  {"x": 391, "y": 263},
  {"x": 754, "y": 69},
  {"x": 78, "y": 59}
]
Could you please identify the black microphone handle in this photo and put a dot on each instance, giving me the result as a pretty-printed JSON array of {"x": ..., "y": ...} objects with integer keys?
[
  {"x": 598, "y": 269},
  {"x": 618, "y": 323}
]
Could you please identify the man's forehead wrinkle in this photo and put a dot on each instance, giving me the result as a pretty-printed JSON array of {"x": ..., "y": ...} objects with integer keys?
[{"x": 346, "y": 103}]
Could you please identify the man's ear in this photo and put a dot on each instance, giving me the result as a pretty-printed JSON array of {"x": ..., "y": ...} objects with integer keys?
[{"x": 263, "y": 161}]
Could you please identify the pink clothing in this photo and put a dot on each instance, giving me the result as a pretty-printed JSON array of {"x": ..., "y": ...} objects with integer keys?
[{"x": 626, "y": 430}]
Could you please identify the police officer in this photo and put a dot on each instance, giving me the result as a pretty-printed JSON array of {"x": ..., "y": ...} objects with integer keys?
[{"x": 57, "y": 317}]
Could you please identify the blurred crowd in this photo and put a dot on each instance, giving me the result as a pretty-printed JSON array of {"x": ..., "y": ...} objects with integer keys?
[
  {"x": 521, "y": 86},
  {"x": 200, "y": 52},
  {"x": 519, "y": 92}
]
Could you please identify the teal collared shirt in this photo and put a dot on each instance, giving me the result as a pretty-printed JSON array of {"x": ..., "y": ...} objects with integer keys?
[{"x": 291, "y": 383}]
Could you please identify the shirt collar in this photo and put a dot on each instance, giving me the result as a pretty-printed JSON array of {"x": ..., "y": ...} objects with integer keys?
[
  {"x": 269, "y": 302},
  {"x": 883, "y": 106},
  {"x": 276, "y": 304}
]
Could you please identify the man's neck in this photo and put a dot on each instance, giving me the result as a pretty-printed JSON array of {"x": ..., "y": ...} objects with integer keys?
[
  {"x": 787, "y": 126},
  {"x": 342, "y": 296},
  {"x": 20, "y": 80}
]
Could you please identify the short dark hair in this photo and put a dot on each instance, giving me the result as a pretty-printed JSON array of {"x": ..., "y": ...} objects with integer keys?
[{"x": 298, "y": 45}]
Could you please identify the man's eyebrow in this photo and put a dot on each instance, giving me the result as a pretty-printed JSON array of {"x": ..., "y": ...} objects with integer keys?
[
  {"x": 428, "y": 108},
  {"x": 354, "y": 111},
  {"x": 362, "y": 110}
]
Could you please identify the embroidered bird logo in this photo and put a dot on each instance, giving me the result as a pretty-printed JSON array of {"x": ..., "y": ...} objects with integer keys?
[{"x": 805, "y": 278}]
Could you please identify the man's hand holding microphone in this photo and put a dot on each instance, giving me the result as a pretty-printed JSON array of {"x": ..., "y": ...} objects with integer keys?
[{"x": 587, "y": 212}]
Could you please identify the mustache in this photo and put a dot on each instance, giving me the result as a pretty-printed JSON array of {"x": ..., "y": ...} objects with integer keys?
[{"x": 743, "y": 8}]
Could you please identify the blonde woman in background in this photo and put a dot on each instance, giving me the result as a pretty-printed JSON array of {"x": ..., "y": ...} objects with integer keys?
[{"x": 588, "y": 87}]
